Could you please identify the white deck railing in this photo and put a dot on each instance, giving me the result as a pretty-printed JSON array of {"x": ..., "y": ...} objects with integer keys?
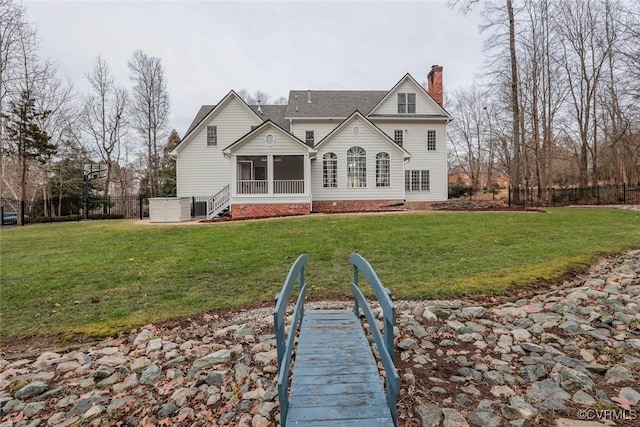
[
  {"x": 288, "y": 186},
  {"x": 252, "y": 186},
  {"x": 281, "y": 186}
]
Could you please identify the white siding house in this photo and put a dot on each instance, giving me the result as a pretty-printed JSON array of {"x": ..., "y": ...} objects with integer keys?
[
  {"x": 382, "y": 166},
  {"x": 325, "y": 151},
  {"x": 201, "y": 168}
]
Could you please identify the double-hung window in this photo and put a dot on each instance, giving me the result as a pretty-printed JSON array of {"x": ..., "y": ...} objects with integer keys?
[
  {"x": 406, "y": 103},
  {"x": 383, "y": 170},
  {"x": 417, "y": 180},
  {"x": 398, "y": 136},
  {"x": 309, "y": 137},
  {"x": 212, "y": 136},
  {"x": 330, "y": 170},
  {"x": 431, "y": 140}
]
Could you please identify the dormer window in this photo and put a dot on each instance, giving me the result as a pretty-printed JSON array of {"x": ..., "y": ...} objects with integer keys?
[
  {"x": 309, "y": 137},
  {"x": 406, "y": 103}
]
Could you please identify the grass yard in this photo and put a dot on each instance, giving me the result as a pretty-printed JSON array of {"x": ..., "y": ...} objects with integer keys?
[{"x": 101, "y": 277}]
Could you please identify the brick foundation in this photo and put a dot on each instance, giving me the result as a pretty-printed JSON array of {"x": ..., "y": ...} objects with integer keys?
[
  {"x": 353, "y": 205},
  {"x": 249, "y": 211}
]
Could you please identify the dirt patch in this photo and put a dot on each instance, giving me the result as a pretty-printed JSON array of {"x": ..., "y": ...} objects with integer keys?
[{"x": 459, "y": 205}]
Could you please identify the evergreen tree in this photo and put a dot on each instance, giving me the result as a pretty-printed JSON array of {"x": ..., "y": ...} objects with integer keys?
[
  {"x": 67, "y": 178},
  {"x": 168, "y": 166},
  {"x": 26, "y": 139}
]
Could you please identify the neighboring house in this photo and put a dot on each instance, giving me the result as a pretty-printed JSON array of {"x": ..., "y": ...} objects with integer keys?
[
  {"x": 499, "y": 178},
  {"x": 459, "y": 175},
  {"x": 325, "y": 151}
]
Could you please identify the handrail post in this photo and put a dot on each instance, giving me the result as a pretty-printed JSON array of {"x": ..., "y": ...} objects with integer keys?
[
  {"x": 356, "y": 306},
  {"x": 384, "y": 339},
  {"x": 279, "y": 331},
  {"x": 284, "y": 343},
  {"x": 388, "y": 329},
  {"x": 301, "y": 283}
]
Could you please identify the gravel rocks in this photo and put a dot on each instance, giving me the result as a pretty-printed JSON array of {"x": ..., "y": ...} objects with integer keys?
[{"x": 538, "y": 360}]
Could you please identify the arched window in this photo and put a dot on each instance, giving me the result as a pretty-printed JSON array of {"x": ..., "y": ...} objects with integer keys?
[
  {"x": 383, "y": 172},
  {"x": 330, "y": 170},
  {"x": 356, "y": 167}
]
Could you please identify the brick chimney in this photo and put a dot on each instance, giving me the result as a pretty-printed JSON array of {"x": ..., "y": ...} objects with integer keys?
[{"x": 434, "y": 84}]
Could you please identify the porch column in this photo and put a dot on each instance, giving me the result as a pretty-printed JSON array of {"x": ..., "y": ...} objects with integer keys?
[
  {"x": 233, "y": 175},
  {"x": 270, "y": 165},
  {"x": 307, "y": 175}
]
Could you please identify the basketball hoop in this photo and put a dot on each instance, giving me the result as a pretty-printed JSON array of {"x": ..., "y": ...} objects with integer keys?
[{"x": 93, "y": 171}]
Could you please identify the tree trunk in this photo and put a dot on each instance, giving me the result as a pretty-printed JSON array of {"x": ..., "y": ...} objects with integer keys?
[{"x": 515, "y": 106}]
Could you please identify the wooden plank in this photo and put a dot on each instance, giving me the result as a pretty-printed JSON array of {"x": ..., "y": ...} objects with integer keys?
[
  {"x": 349, "y": 378},
  {"x": 331, "y": 370},
  {"x": 379, "y": 422},
  {"x": 334, "y": 391},
  {"x": 335, "y": 376},
  {"x": 326, "y": 413},
  {"x": 348, "y": 399}
]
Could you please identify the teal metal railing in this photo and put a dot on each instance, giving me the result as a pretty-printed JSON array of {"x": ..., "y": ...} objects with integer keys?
[
  {"x": 383, "y": 340},
  {"x": 284, "y": 344},
  {"x": 384, "y": 343}
]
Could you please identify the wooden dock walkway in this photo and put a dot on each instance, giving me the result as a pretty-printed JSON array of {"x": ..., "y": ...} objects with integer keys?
[{"x": 335, "y": 379}]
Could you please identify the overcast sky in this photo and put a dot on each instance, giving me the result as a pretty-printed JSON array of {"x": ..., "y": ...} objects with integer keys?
[{"x": 208, "y": 48}]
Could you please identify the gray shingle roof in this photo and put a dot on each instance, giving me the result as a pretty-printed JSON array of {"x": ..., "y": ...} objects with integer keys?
[
  {"x": 332, "y": 103},
  {"x": 202, "y": 113},
  {"x": 275, "y": 113}
]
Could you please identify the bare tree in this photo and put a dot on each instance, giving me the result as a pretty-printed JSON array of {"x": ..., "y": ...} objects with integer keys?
[
  {"x": 103, "y": 116},
  {"x": 502, "y": 41},
  {"x": 469, "y": 133},
  {"x": 515, "y": 105},
  {"x": 150, "y": 108},
  {"x": 13, "y": 31},
  {"x": 583, "y": 57},
  {"x": 12, "y": 28},
  {"x": 25, "y": 85},
  {"x": 259, "y": 97}
]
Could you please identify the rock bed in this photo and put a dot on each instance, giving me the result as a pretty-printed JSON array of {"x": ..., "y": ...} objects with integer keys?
[{"x": 565, "y": 357}]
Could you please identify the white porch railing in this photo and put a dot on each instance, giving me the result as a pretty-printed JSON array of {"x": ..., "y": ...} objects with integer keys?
[
  {"x": 280, "y": 186},
  {"x": 288, "y": 186},
  {"x": 252, "y": 186}
]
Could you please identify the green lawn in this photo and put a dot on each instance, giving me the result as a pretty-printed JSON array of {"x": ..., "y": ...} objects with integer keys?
[{"x": 50, "y": 273}]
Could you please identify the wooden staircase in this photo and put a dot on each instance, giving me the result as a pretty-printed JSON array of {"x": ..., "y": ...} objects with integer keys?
[{"x": 219, "y": 203}]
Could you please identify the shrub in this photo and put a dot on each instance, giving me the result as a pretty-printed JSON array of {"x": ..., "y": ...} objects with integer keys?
[
  {"x": 106, "y": 216},
  {"x": 44, "y": 219},
  {"x": 460, "y": 189}
]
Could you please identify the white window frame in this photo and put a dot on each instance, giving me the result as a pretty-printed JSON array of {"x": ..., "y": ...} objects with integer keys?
[
  {"x": 309, "y": 140},
  {"x": 404, "y": 106},
  {"x": 417, "y": 180},
  {"x": 383, "y": 170},
  {"x": 431, "y": 140},
  {"x": 356, "y": 167},
  {"x": 330, "y": 170},
  {"x": 212, "y": 136},
  {"x": 398, "y": 136},
  {"x": 242, "y": 166}
]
